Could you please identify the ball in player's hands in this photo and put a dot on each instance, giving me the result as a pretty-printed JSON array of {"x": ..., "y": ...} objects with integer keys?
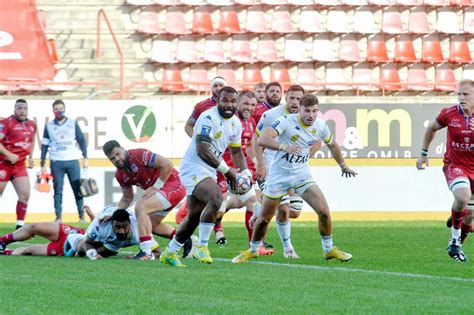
[{"x": 243, "y": 185}]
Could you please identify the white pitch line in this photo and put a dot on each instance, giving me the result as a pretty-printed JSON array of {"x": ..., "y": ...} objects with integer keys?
[{"x": 344, "y": 269}]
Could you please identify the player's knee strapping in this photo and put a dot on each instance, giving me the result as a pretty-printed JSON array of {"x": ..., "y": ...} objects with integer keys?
[
  {"x": 460, "y": 182},
  {"x": 296, "y": 203},
  {"x": 285, "y": 200}
]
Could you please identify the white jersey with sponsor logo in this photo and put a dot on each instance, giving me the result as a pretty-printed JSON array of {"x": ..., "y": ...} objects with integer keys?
[
  {"x": 103, "y": 232},
  {"x": 292, "y": 131},
  {"x": 222, "y": 134},
  {"x": 267, "y": 119}
]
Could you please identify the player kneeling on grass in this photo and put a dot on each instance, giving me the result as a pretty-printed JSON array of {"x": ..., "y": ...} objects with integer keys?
[
  {"x": 295, "y": 134},
  {"x": 55, "y": 232}
]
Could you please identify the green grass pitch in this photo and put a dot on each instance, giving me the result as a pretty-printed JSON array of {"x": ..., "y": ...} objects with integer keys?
[{"x": 397, "y": 267}]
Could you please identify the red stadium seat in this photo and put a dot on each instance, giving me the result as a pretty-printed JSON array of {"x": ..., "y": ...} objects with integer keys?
[
  {"x": 167, "y": 2},
  {"x": 462, "y": 3},
  {"x": 392, "y": 23},
  {"x": 172, "y": 80},
  {"x": 214, "y": 50},
  {"x": 193, "y": 2},
  {"x": 439, "y": 3},
  {"x": 266, "y": 50},
  {"x": 256, "y": 22},
  {"x": 228, "y": 73},
  {"x": 431, "y": 51},
  {"x": 202, "y": 22},
  {"x": 409, "y": 3},
  {"x": 336, "y": 79},
  {"x": 220, "y": 3},
  {"x": 198, "y": 79},
  {"x": 459, "y": 50},
  {"x": 337, "y": 21},
  {"x": 174, "y": 23},
  {"x": 295, "y": 49},
  {"x": 404, "y": 50},
  {"x": 310, "y": 21},
  {"x": 362, "y": 78},
  {"x": 416, "y": 78},
  {"x": 306, "y": 76},
  {"x": 148, "y": 23},
  {"x": 301, "y": 2},
  {"x": 161, "y": 51},
  {"x": 241, "y": 50},
  {"x": 349, "y": 49},
  {"x": 252, "y": 76},
  {"x": 273, "y": 2},
  {"x": 389, "y": 78},
  {"x": 364, "y": 22},
  {"x": 469, "y": 21},
  {"x": 322, "y": 49},
  {"x": 355, "y": 2},
  {"x": 447, "y": 22},
  {"x": 229, "y": 22},
  {"x": 281, "y": 21},
  {"x": 279, "y": 73},
  {"x": 187, "y": 51},
  {"x": 377, "y": 50},
  {"x": 382, "y": 2},
  {"x": 445, "y": 79},
  {"x": 418, "y": 22}
]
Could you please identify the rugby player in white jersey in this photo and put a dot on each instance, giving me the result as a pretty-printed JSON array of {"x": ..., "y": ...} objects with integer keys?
[
  {"x": 292, "y": 136},
  {"x": 215, "y": 130},
  {"x": 291, "y": 204}
]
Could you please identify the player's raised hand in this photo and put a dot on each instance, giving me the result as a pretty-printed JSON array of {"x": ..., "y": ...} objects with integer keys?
[
  {"x": 347, "y": 172},
  {"x": 421, "y": 161}
]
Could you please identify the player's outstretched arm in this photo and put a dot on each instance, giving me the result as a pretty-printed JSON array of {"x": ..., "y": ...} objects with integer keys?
[
  {"x": 127, "y": 198},
  {"x": 337, "y": 154},
  {"x": 189, "y": 127},
  {"x": 267, "y": 140},
  {"x": 90, "y": 249},
  {"x": 428, "y": 137},
  {"x": 166, "y": 167}
]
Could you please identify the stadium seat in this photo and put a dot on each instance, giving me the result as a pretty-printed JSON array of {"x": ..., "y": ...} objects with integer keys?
[
  {"x": 279, "y": 73},
  {"x": 214, "y": 50},
  {"x": 256, "y": 22},
  {"x": 266, "y": 50},
  {"x": 445, "y": 79},
  {"x": 162, "y": 51},
  {"x": 431, "y": 51},
  {"x": 335, "y": 79},
  {"x": 220, "y": 3},
  {"x": 377, "y": 49},
  {"x": 306, "y": 76},
  {"x": 198, "y": 79},
  {"x": 337, "y": 21},
  {"x": 389, "y": 78},
  {"x": 436, "y": 3},
  {"x": 364, "y": 22},
  {"x": 247, "y": 2},
  {"x": 252, "y": 76},
  {"x": 172, "y": 80},
  {"x": 382, "y": 2},
  {"x": 174, "y": 23},
  {"x": 281, "y": 21},
  {"x": 193, "y": 2},
  {"x": 328, "y": 2},
  {"x": 148, "y": 23},
  {"x": 462, "y": 3},
  {"x": 167, "y": 2},
  {"x": 409, "y": 3},
  {"x": 416, "y": 78},
  {"x": 187, "y": 51},
  {"x": 469, "y": 21},
  {"x": 468, "y": 72},
  {"x": 310, "y": 21},
  {"x": 228, "y": 73},
  {"x": 322, "y": 49},
  {"x": 447, "y": 22},
  {"x": 295, "y": 49},
  {"x": 241, "y": 50},
  {"x": 300, "y": 2},
  {"x": 273, "y": 2},
  {"x": 229, "y": 22},
  {"x": 362, "y": 78},
  {"x": 349, "y": 49},
  {"x": 418, "y": 22},
  {"x": 459, "y": 50},
  {"x": 392, "y": 22},
  {"x": 202, "y": 22},
  {"x": 404, "y": 50},
  {"x": 355, "y": 2}
]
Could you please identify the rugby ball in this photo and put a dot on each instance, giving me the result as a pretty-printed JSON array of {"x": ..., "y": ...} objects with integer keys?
[{"x": 243, "y": 185}]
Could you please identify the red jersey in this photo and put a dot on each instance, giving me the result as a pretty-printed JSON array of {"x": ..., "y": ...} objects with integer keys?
[
  {"x": 202, "y": 106},
  {"x": 248, "y": 129},
  {"x": 18, "y": 137},
  {"x": 259, "y": 110},
  {"x": 140, "y": 171},
  {"x": 460, "y": 142}
]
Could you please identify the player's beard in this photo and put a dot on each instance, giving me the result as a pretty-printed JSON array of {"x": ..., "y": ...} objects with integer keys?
[
  {"x": 20, "y": 118},
  {"x": 225, "y": 111},
  {"x": 273, "y": 103}
]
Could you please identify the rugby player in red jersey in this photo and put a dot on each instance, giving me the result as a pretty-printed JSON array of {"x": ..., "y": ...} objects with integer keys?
[
  {"x": 458, "y": 163},
  {"x": 273, "y": 94},
  {"x": 162, "y": 191},
  {"x": 17, "y": 141}
]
